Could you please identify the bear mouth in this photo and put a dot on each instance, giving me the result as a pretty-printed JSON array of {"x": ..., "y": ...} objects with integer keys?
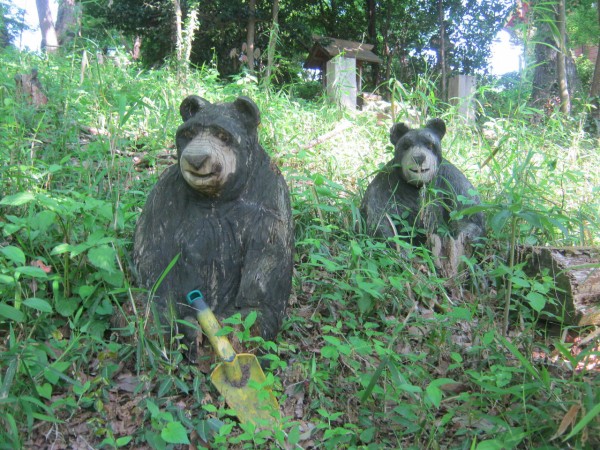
[
  {"x": 419, "y": 171},
  {"x": 201, "y": 176}
]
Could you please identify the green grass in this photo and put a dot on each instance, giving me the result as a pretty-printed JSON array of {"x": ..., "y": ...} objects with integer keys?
[{"x": 377, "y": 351}]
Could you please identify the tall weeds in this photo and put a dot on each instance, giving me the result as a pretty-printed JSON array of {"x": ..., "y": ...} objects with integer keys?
[{"x": 378, "y": 350}]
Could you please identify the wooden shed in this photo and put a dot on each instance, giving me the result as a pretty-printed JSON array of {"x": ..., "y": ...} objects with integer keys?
[{"x": 341, "y": 63}]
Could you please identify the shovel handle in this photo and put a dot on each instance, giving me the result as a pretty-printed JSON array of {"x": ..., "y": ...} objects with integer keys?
[{"x": 210, "y": 326}]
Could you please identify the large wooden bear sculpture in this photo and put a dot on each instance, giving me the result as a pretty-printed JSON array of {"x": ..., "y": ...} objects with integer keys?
[
  {"x": 396, "y": 202},
  {"x": 225, "y": 210}
]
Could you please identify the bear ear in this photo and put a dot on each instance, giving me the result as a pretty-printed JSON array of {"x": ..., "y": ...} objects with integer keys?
[
  {"x": 191, "y": 105},
  {"x": 438, "y": 127},
  {"x": 397, "y": 131},
  {"x": 249, "y": 109}
]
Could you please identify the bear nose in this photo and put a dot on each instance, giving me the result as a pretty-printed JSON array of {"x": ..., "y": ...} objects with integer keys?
[
  {"x": 419, "y": 159},
  {"x": 197, "y": 161}
]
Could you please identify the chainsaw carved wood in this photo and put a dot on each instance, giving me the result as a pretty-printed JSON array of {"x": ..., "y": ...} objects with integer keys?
[{"x": 576, "y": 272}]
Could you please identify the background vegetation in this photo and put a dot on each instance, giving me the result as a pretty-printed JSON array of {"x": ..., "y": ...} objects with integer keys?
[{"x": 377, "y": 350}]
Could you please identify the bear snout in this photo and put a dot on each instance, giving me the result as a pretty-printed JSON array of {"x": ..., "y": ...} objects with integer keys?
[
  {"x": 197, "y": 162},
  {"x": 419, "y": 159}
]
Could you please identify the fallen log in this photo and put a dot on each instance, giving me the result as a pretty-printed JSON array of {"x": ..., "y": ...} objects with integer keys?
[{"x": 576, "y": 274}]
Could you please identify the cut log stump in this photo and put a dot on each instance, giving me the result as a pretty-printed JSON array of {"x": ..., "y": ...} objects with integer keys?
[
  {"x": 30, "y": 89},
  {"x": 576, "y": 273}
]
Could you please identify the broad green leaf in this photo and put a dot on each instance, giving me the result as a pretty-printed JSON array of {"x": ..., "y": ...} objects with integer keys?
[
  {"x": 536, "y": 300},
  {"x": 488, "y": 337},
  {"x": 434, "y": 394},
  {"x": 66, "y": 306},
  {"x": 365, "y": 303},
  {"x": 123, "y": 441},
  {"x": 45, "y": 390},
  {"x": 39, "y": 304},
  {"x": 61, "y": 248},
  {"x": 499, "y": 220},
  {"x": 85, "y": 291},
  {"x": 17, "y": 199},
  {"x": 490, "y": 444},
  {"x": 329, "y": 352},
  {"x": 520, "y": 282},
  {"x": 103, "y": 257},
  {"x": 10, "y": 312},
  {"x": 332, "y": 340},
  {"x": 175, "y": 433},
  {"x": 53, "y": 372},
  {"x": 250, "y": 319},
  {"x": 33, "y": 272},
  {"x": 5, "y": 279},
  {"x": 43, "y": 220},
  {"x": 460, "y": 313},
  {"x": 13, "y": 254}
]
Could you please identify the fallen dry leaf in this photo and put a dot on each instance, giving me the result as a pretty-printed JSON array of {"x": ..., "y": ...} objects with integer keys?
[{"x": 567, "y": 421}]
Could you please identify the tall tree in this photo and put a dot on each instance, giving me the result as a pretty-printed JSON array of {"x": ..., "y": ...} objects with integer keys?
[
  {"x": 595, "y": 87},
  {"x": 442, "y": 50},
  {"x": 565, "y": 100},
  {"x": 250, "y": 34},
  {"x": 547, "y": 86},
  {"x": 272, "y": 43},
  {"x": 178, "y": 30},
  {"x": 371, "y": 9},
  {"x": 67, "y": 21},
  {"x": 49, "y": 38}
]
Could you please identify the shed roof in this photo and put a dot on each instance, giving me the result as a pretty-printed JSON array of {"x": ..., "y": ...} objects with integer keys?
[{"x": 326, "y": 48}]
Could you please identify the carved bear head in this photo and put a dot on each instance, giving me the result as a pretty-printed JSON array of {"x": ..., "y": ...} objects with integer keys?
[
  {"x": 418, "y": 152},
  {"x": 216, "y": 144}
]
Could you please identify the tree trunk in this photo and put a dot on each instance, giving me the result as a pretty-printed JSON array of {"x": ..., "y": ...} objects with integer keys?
[
  {"x": 67, "y": 22},
  {"x": 385, "y": 31},
  {"x": 49, "y": 39},
  {"x": 442, "y": 51},
  {"x": 546, "y": 90},
  {"x": 595, "y": 88},
  {"x": 565, "y": 100},
  {"x": 250, "y": 34},
  {"x": 372, "y": 34},
  {"x": 178, "y": 32},
  {"x": 190, "y": 28},
  {"x": 272, "y": 43}
]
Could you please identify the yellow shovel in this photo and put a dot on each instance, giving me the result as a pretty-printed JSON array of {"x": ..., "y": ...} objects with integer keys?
[{"x": 239, "y": 378}]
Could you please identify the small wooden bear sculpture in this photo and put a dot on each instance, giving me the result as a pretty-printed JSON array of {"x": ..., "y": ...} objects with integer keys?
[{"x": 395, "y": 203}]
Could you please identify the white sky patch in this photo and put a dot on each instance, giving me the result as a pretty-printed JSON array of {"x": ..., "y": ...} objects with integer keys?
[{"x": 506, "y": 56}]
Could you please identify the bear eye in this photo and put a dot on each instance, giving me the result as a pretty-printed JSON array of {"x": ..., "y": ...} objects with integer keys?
[
  {"x": 188, "y": 134},
  {"x": 431, "y": 146},
  {"x": 222, "y": 136}
]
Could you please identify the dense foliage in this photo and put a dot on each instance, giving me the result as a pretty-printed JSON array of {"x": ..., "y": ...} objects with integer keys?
[
  {"x": 377, "y": 350},
  {"x": 11, "y": 22},
  {"x": 406, "y": 33}
]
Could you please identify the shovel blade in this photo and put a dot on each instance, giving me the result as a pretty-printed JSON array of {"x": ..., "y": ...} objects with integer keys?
[{"x": 251, "y": 404}]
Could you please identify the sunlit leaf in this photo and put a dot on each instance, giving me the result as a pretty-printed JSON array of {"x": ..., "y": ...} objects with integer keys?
[
  {"x": 174, "y": 433},
  {"x": 17, "y": 199},
  {"x": 13, "y": 254}
]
